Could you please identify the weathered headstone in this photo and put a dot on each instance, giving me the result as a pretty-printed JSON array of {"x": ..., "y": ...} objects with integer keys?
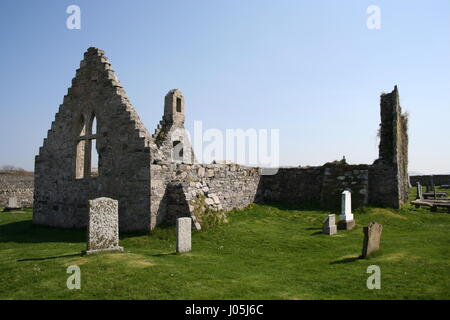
[
  {"x": 13, "y": 204},
  {"x": 329, "y": 225},
  {"x": 103, "y": 226},
  {"x": 419, "y": 191},
  {"x": 346, "y": 221},
  {"x": 184, "y": 234},
  {"x": 372, "y": 238}
]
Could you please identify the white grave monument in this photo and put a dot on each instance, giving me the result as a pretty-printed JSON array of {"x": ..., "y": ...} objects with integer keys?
[{"x": 346, "y": 221}]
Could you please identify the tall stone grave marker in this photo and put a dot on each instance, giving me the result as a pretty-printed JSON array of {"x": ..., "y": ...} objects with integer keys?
[
  {"x": 346, "y": 221},
  {"x": 329, "y": 225},
  {"x": 419, "y": 195},
  {"x": 372, "y": 238},
  {"x": 103, "y": 226},
  {"x": 184, "y": 234}
]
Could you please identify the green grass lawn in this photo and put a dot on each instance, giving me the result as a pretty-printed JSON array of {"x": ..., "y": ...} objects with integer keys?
[{"x": 264, "y": 252}]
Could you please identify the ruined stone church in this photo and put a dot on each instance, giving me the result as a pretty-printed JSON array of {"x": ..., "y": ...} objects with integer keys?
[{"x": 156, "y": 178}]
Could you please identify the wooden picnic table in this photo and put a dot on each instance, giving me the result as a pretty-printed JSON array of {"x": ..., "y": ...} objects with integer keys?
[
  {"x": 432, "y": 204},
  {"x": 427, "y": 195}
]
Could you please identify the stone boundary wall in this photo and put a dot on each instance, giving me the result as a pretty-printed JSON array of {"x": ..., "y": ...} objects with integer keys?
[
  {"x": 179, "y": 190},
  {"x": 317, "y": 185},
  {"x": 20, "y": 185},
  {"x": 338, "y": 178},
  {"x": 439, "y": 179}
]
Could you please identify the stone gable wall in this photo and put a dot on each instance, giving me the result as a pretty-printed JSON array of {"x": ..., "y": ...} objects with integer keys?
[{"x": 123, "y": 146}]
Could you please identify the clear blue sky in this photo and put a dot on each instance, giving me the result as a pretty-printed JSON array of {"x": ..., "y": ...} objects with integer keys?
[{"x": 310, "y": 68}]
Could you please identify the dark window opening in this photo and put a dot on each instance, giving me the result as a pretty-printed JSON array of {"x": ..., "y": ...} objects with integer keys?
[{"x": 178, "y": 104}]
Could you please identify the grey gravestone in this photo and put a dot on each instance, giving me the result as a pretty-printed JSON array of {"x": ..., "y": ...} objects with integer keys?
[
  {"x": 103, "y": 226},
  {"x": 184, "y": 234},
  {"x": 329, "y": 225},
  {"x": 419, "y": 191},
  {"x": 372, "y": 238}
]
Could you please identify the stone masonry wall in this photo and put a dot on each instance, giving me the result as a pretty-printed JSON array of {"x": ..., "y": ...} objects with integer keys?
[
  {"x": 338, "y": 177},
  {"x": 20, "y": 185},
  {"x": 320, "y": 186},
  {"x": 178, "y": 188}
]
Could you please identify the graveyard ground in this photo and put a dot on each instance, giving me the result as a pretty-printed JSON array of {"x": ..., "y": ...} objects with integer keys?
[{"x": 265, "y": 252}]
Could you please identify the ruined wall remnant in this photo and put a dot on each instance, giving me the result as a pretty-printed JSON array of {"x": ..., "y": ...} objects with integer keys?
[
  {"x": 389, "y": 174},
  {"x": 319, "y": 186},
  {"x": 217, "y": 187},
  {"x": 340, "y": 177}
]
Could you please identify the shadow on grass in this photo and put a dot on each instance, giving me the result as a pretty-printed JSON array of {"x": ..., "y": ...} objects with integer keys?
[
  {"x": 27, "y": 232},
  {"x": 164, "y": 254},
  {"x": 50, "y": 258},
  {"x": 346, "y": 260},
  {"x": 292, "y": 205}
]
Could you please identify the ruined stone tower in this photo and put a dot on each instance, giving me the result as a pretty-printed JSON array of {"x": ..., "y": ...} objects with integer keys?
[
  {"x": 389, "y": 173},
  {"x": 174, "y": 108},
  {"x": 170, "y": 135}
]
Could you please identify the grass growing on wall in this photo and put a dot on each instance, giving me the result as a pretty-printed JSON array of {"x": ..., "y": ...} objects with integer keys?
[{"x": 264, "y": 252}]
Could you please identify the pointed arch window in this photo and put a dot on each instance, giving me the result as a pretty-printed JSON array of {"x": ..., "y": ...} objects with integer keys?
[{"x": 87, "y": 157}]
